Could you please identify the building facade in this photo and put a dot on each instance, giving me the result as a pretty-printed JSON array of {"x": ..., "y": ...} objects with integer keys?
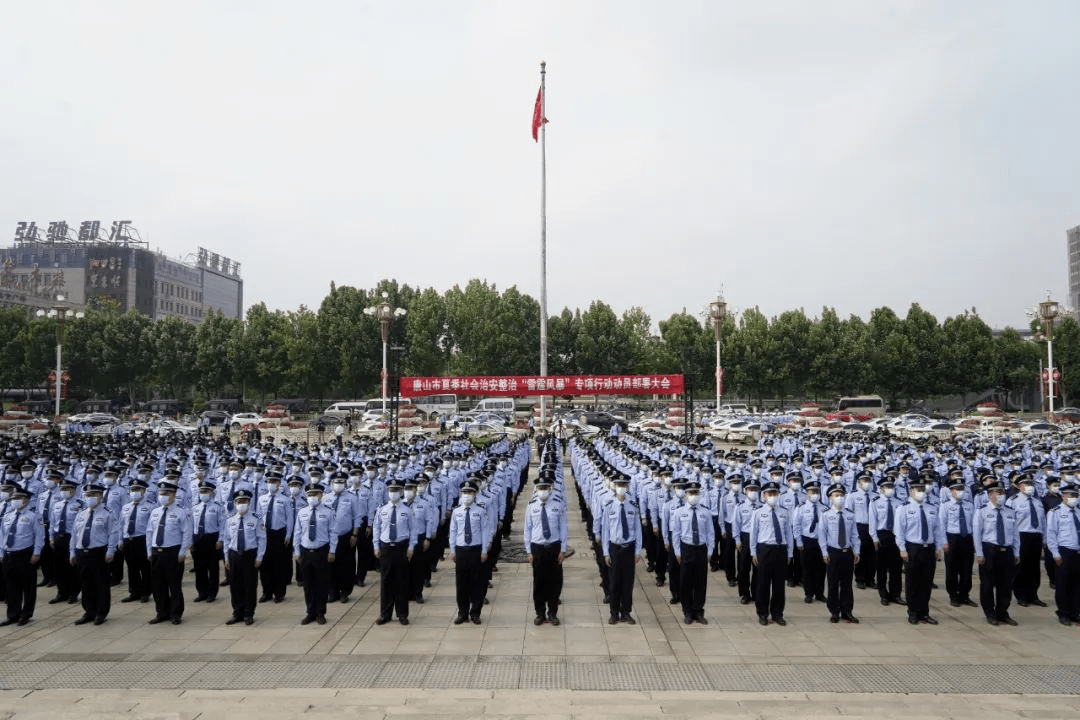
[{"x": 1072, "y": 244}]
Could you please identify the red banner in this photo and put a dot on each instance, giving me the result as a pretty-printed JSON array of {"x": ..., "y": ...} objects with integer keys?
[{"x": 523, "y": 385}]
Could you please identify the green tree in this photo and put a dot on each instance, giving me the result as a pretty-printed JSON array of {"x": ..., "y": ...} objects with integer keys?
[
  {"x": 563, "y": 332},
  {"x": 789, "y": 345},
  {"x": 1016, "y": 366},
  {"x": 425, "y": 335},
  {"x": 173, "y": 356},
  {"x": 602, "y": 346},
  {"x": 892, "y": 355},
  {"x": 967, "y": 355}
]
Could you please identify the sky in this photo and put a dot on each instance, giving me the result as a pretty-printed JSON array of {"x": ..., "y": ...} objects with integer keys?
[{"x": 846, "y": 154}]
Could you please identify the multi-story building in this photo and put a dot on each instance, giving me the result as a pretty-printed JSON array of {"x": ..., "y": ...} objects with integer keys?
[
  {"x": 1073, "y": 246},
  {"x": 90, "y": 270}
]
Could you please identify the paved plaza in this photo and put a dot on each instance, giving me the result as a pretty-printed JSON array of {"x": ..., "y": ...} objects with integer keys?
[{"x": 506, "y": 666}]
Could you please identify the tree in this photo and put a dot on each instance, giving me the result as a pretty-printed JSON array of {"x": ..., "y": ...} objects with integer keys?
[
  {"x": 173, "y": 356},
  {"x": 926, "y": 341},
  {"x": 602, "y": 347},
  {"x": 425, "y": 335},
  {"x": 563, "y": 332},
  {"x": 967, "y": 355},
  {"x": 789, "y": 345},
  {"x": 892, "y": 356},
  {"x": 1016, "y": 362},
  {"x": 687, "y": 348}
]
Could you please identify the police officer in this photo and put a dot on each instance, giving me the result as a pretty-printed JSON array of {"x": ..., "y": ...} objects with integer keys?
[
  {"x": 276, "y": 511},
  {"x": 22, "y": 536},
  {"x": 883, "y": 512},
  {"x": 1031, "y": 524},
  {"x": 244, "y": 543},
  {"x": 64, "y": 510},
  {"x": 919, "y": 537},
  {"x": 347, "y": 522},
  {"x": 312, "y": 535},
  {"x": 207, "y": 515},
  {"x": 469, "y": 540},
  {"x": 394, "y": 539},
  {"x": 95, "y": 538},
  {"x": 131, "y": 529},
  {"x": 1063, "y": 542},
  {"x": 956, "y": 524},
  {"x": 859, "y": 503},
  {"x": 805, "y": 522},
  {"x": 621, "y": 546},
  {"x": 545, "y": 545},
  {"x": 997, "y": 551},
  {"x": 838, "y": 537},
  {"x": 168, "y": 540},
  {"x": 771, "y": 547},
  {"x": 691, "y": 539},
  {"x": 742, "y": 520}
]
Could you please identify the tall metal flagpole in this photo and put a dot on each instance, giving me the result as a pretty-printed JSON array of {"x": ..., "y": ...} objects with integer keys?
[{"x": 543, "y": 240}]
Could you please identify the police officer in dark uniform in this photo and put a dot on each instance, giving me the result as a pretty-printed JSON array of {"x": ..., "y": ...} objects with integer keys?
[
  {"x": 276, "y": 510},
  {"x": 168, "y": 540},
  {"x": 839, "y": 539},
  {"x": 132, "y": 533},
  {"x": 620, "y": 542},
  {"x": 64, "y": 510},
  {"x": 94, "y": 541},
  {"x": 771, "y": 547}
]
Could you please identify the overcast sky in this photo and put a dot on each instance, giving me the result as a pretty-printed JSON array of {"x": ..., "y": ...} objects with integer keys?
[{"x": 795, "y": 154}]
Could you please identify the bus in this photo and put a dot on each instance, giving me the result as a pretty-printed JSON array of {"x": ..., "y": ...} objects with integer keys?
[
  {"x": 432, "y": 406},
  {"x": 870, "y": 406}
]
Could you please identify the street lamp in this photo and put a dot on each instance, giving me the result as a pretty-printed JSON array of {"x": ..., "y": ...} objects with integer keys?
[
  {"x": 1048, "y": 310},
  {"x": 384, "y": 313},
  {"x": 61, "y": 313},
  {"x": 717, "y": 311}
]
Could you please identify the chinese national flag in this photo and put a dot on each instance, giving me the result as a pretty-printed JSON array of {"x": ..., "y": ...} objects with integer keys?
[{"x": 538, "y": 113}]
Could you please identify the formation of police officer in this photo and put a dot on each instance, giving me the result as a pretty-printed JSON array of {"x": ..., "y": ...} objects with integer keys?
[{"x": 545, "y": 537}]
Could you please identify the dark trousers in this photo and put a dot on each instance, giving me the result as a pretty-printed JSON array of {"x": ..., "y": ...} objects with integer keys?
[
  {"x": 841, "y": 570},
  {"x": 715, "y": 561},
  {"x": 794, "y": 570},
  {"x": 166, "y": 574},
  {"x": 996, "y": 580},
  {"x": 20, "y": 584},
  {"x": 694, "y": 574},
  {"x": 1028, "y": 576},
  {"x": 116, "y": 568},
  {"x": 66, "y": 577},
  {"x": 890, "y": 579},
  {"x": 727, "y": 553},
  {"x": 418, "y": 567},
  {"x": 204, "y": 558},
  {"x": 316, "y": 571},
  {"x": 469, "y": 581},
  {"x": 1067, "y": 592},
  {"x": 866, "y": 571},
  {"x": 602, "y": 568},
  {"x": 813, "y": 568},
  {"x": 674, "y": 574},
  {"x": 921, "y": 566},
  {"x": 138, "y": 566},
  {"x": 276, "y": 564},
  {"x": 547, "y": 575},
  {"x": 243, "y": 583},
  {"x": 660, "y": 561},
  {"x": 343, "y": 572},
  {"x": 958, "y": 566},
  {"x": 47, "y": 562},
  {"x": 394, "y": 583},
  {"x": 621, "y": 579},
  {"x": 95, "y": 581},
  {"x": 365, "y": 556},
  {"x": 747, "y": 572},
  {"x": 772, "y": 573}
]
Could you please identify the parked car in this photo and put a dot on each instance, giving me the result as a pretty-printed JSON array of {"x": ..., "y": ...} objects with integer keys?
[
  {"x": 216, "y": 418},
  {"x": 239, "y": 420},
  {"x": 602, "y": 420}
]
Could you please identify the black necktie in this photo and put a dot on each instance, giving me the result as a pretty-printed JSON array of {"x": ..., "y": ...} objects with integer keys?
[
  {"x": 202, "y": 521},
  {"x": 776, "y": 529},
  {"x": 131, "y": 521},
  {"x": 241, "y": 541},
  {"x": 624, "y": 523},
  {"x": 1000, "y": 529},
  {"x": 888, "y": 515},
  {"x": 270, "y": 512},
  {"x": 841, "y": 530},
  {"x": 63, "y": 518},
  {"x": 694, "y": 527},
  {"x": 813, "y": 523},
  {"x": 963, "y": 520},
  {"x": 311, "y": 525},
  {"x": 468, "y": 527},
  {"x": 159, "y": 538},
  {"x": 393, "y": 524},
  {"x": 925, "y": 526},
  {"x": 544, "y": 521},
  {"x": 85, "y": 533},
  {"x": 1034, "y": 515},
  {"x": 1076, "y": 524}
]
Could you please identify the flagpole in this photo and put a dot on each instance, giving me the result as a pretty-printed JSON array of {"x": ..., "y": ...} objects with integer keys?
[{"x": 543, "y": 240}]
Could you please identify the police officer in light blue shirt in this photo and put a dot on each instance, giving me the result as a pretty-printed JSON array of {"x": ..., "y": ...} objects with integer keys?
[
  {"x": 1063, "y": 542},
  {"x": 838, "y": 537},
  {"x": 168, "y": 540},
  {"x": 207, "y": 516},
  {"x": 22, "y": 536},
  {"x": 919, "y": 537},
  {"x": 312, "y": 535},
  {"x": 620, "y": 543},
  {"x": 95, "y": 537},
  {"x": 64, "y": 510},
  {"x": 692, "y": 538},
  {"x": 134, "y": 517},
  {"x": 469, "y": 539},
  {"x": 393, "y": 539},
  {"x": 244, "y": 543},
  {"x": 545, "y": 539},
  {"x": 956, "y": 520},
  {"x": 1031, "y": 524},
  {"x": 771, "y": 547},
  {"x": 997, "y": 551}
]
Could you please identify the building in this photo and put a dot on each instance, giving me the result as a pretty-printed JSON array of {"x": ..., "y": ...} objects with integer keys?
[
  {"x": 92, "y": 270},
  {"x": 1073, "y": 245}
]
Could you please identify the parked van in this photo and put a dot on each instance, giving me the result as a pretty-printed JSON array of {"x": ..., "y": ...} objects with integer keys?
[
  {"x": 345, "y": 409},
  {"x": 862, "y": 406},
  {"x": 502, "y": 405}
]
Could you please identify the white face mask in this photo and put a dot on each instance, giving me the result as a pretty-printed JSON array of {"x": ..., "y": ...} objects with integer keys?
[
  {"x": 734, "y": 487},
  {"x": 394, "y": 496},
  {"x": 795, "y": 487},
  {"x": 751, "y": 495},
  {"x": 92, "y": 501},
  {"x": 467, "y": 499},
  {"x": 918, "y": 496},
  {"x": 313, "y": 500},
  {"x": 409, "y": 495},
  {"x": 50, "y": 484},
  {"x": 27, "y": 474},
  {"x": 958, "y": 494},
  {"x": 233, "y": 474},
  {"x": 812, "y": 497},
  {"x": 1070, "y": 501},
  {"x": 67, "y": 494},
  {"x": 545, "y": 494},
  {"x": 888, "y": 492},
  {"x": 355, "y": 480},
  {"x": 108, "y": 481},
  {"x": 770, "y": 500},
  {"x": 273, "y": 487},
  {"x": 136, "y": 496},
  {"x": 294, "y": 490},
  {"x": 693, "y": 499},
  {"x": 205, "y": 497},
  {"x": 620, "y": 492},
  {"x": 864, "y": 486},
  {"x": 1028, "y": 490},
  {"x": 837, "y": 502},
  {"x": 338, "y": 487},
  {"x": 241, "y": 508},
  {"x": 995, "y": 500},
  {"x": 167, "y": 499}
]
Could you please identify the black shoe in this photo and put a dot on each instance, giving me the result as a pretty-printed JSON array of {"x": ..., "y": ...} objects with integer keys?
[
  {"x": 808, "y": 599},
  {"x": 232, "y": 621},
  {"x": 850, "y": 619},
  {"x": 884, "y": 601},
  {"x": 279, "y": 599},
  {"x": 860, "y": 585},
  {"x": 933, "y": 586},
  {"x": 211, "y": 599},
  {"x": 321, "y": 620},
  {"x": 264, "y": 598},
  {"x": 26, "y": 621},
  {"x": 538, "y": 620},
  {"x": 927, "y": 620},
  {"x": 913, "y": 620},
  {"x": 628, "y": 620},
  {"x": 732, "y": 583},
  {"x": 344, "y": 599},
  {"x": 992, "y": 621},
  {"x": 762, "y": 620},
  {"x": 200, "y": 598},
  {"x": 81, "y": 621},
  {"x": 380, "y": 621},
  {"x": 660, "y": 582},
  {"x": 834, "y": 618},
  {"x": 1023, "y": 603},
  {"x": 144, "y": 599},
  {"x": 554, "y": 620},
  {"x": 73, "y": 600},
  {"x": 687, "y": 619},
  {"x": 780, "y": 621},
  {"x": 419, "y": 599},
  {"x": 461, "y": 618},
  {"x": 744, "y": 600},
  {"x": 43, "y": 583},
  {"x": 475, "y": 620},
  {"x": 1009, "y": 621},
  {"x": 1064, "y": 620},
  {"x": 308, "y": 619},
  {"x": 249, "y": 621},
  {"x": 898, "y": 601},
  {"x": 955, "y": 603},
  {"x": 1038, "y": 602},
  {"x": 673, "y": 601},
  {"x": 332, "y": 597},
  {"x": 361, "y": 583},
  {"x": 176, "y": 621},
  {"x": 969, "y": 602},
  {"x": 129, "y": 598},
  {"x": 156, "y": 619},
  {"x": 614, "y": 620},
  {"x": 607, "y": 599},
  {"x": 59, "y": 599},
  {"x": 701, "y": 619},
  {"x": 820, "y": 598}
]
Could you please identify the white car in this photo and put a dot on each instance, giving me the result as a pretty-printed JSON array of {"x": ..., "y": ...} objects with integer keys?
[
  {"x": 164, "y": 427},
  {"x": 239, "y": 420}
]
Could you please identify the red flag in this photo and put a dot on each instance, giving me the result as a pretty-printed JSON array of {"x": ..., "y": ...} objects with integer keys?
[{"x": 538, "y": 113}]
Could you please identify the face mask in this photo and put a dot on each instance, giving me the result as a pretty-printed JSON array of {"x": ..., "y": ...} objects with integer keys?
[
  {"x": 394, "y": 496},
  {"x": 795, "y": 487},
  {"x": 837, "y": 502},
  {"x": 233, "y": 474},
  {"x": 812, "y": 497},
  {"x": 145, "y": 477},
  {"x": 770, "y": 500},
  {"x": 467, "y": 499},
  {"x": 798, "y": 464},
  {"x": 1070, "y": 502},
  {"x": 756, "y": 472},
  {"x": 995, "y": 500},
  {"x": 370, "y": 474},
  {"x": 27, "y": 474},
  {"x": 50, "y": 484},
  {"x": 108, "y": 481},
  {"x": 888, "y": 492},
  {"x": 273, "y": 487},
  {"x": 679, "y": 492},
  {"x": 354, "y": 480},
  {"x": 338, "y": 487},
  {"x": 545, "y": 494},
  {"x": 294, "y": 490},
  {"x": 92, "y": 501},
  {"x": 205, "y": 497},
  {"x": 751, "y": 495},
  {"x": 957, "y": 494},
  {"x": 620, "y": 492},
  {"x": 734, "y": 487},
  {"x": 864, "y": 486},
  {"x": 1028, "y": 490},
  {"x": 693, "y": 499},
  {"x": 1053, "y": 489},
  {"x": 409, "y": 495},
  {"x": 241, "y": 508},
  {"x": 136, "y": 496},
  {"x": 313, "y": 501},
  {"x": 918, "y": 496},
  {"x": 67, "y": 494}
]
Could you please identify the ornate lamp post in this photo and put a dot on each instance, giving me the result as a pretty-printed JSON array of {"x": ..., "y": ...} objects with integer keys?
[
  {"x": 1048, "y": 310},
  {"x": 717, "y": 311},
  {"x": 61, "y": 313},
  {"x": 384, "y": 313}
]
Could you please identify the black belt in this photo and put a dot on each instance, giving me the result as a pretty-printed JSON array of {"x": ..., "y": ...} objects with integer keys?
[
  {"x": 321, "y": 548},
  {"x": 623, "y": 546},
  {"x": 843, "y": 549},
  {"x": 771, "y": 545},
  {"x": 996, "y": 547},
  {"x": 403, "y": 543},
  {"x": 164, "y": 550},
  {"x": 697, "y": 545},
  {"x": 22, "y": 550},
  {"x": 920, "y": 545}
]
